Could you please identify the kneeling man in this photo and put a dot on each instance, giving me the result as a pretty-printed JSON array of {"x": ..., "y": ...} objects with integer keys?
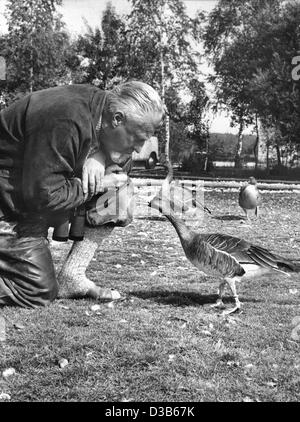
[{"x": 55, "y": 145}]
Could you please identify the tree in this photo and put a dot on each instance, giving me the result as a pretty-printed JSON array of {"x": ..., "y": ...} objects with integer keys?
[
  {"x": 275, "y": 94},
  {"x": 125, "y": 49},
  {"x": 35, "y": 44},
  {"x": 160, "y": 51},
  {"x": 101, "y": 51},
  {"x": 194, "y": 116},
  {"x": 251, "y": 44},
  {"x": 228, "y": 41},
  {"x": 114, "y": 44}
]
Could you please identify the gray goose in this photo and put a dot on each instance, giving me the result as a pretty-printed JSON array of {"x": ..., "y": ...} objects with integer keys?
[
  {"x": 249, "y": 197},
  {"x": 230, "y": 258}
]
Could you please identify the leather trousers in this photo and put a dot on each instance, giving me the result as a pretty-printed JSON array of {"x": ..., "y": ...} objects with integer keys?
[{"x": 27, "y": 275}]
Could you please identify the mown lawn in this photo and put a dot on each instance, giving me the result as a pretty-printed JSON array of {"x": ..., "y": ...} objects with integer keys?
[{"x": 164, "y": 342}]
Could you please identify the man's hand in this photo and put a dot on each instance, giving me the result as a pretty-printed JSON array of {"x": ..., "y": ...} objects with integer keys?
[
  {"x": 92, "y": 175},
  {"x": 114, "y": 168}
]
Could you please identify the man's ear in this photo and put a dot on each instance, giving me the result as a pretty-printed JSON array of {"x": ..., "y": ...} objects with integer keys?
[{"x": 118, "y": 119}]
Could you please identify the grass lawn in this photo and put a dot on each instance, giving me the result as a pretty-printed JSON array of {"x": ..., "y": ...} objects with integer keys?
[{"x": 164, "y": 342}]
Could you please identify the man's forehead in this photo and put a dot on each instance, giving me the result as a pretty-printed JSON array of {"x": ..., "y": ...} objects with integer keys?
[
  {"x": 148, "y": 130},
  {"x": 148, "y": 125}
]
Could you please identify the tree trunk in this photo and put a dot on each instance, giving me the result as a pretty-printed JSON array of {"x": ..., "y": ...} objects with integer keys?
[
  {"x": 256, "y": 145},
  {"x": 167, "y": 134},
  {"x": 239, "y": 147},
  {"x": 31, "y": 66},
  {"x": 206, "y": 151},
  {"x": 31, "y": 79},
  {"x": 167, "y": 118},
  {"x": 278, "y": 152}
]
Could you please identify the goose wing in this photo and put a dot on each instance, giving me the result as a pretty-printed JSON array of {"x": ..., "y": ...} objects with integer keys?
[
  {"x": 266, "y": 259},
  {"x": 242, "y": 195},
  {"x": 246, "y": 253},
  {"x": 242, "y": 189},
  {"x": 233, "y": 246},
  {"x": 204, "y": 252}
]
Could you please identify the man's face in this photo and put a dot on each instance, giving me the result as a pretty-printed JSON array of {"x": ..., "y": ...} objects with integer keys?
[{"x": 120, "y": 136}]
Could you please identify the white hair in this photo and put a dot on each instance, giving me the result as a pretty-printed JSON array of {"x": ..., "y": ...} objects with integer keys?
[{"x": 135, "y": 99}]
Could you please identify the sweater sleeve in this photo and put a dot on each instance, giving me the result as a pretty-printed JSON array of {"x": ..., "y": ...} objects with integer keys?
[{"x": 50, "y": 159}]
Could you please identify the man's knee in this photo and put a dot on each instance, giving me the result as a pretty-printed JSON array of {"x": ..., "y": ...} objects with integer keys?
[
  {"x": 27, "y": 272},
  {"x": 13, "y": 293},
  {"x": 40, "y": 279},
  {"x": 49, "y": 292}
]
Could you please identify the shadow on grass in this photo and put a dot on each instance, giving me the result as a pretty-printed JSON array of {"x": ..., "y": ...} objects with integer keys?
[
  {"x": 151, "y": 218},
  {"x": 184, "y": 298},
  {"x": 228, "y": 217},
  {"x": 175, "y": 298}
]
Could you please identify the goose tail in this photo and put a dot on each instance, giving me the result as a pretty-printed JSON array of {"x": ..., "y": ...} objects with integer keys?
[
  {"x": 288, "y": 266},
  {"x": 265, "y": 258},
  {"x": 297, "y": 267}
]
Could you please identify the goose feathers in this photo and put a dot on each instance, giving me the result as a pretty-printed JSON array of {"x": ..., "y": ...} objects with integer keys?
[
  {"x": 231, "y": 256},
  {"x": 249, "y": 195},
  {"x": 208, "y": 257}
]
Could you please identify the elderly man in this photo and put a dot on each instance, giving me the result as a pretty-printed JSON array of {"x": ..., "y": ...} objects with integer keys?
[{"x": 55, "y": 145}]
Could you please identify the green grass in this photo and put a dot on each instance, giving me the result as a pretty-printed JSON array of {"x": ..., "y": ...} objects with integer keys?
[{"x": 164, "y": 342}]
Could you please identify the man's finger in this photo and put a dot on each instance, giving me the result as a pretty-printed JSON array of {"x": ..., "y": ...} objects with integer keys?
[
  {"x": 99, "y": 184},
  {"x": 114, "y": 168},
  {"x": 85, "y": 197},
  {"x": 92, "y": 184},
  {"x": 85, "y": 179}
]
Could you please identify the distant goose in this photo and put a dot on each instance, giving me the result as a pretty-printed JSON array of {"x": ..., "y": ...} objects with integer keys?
[
  {"x": 228, "y": 257},
  {"x": 249, "y": 197}
]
